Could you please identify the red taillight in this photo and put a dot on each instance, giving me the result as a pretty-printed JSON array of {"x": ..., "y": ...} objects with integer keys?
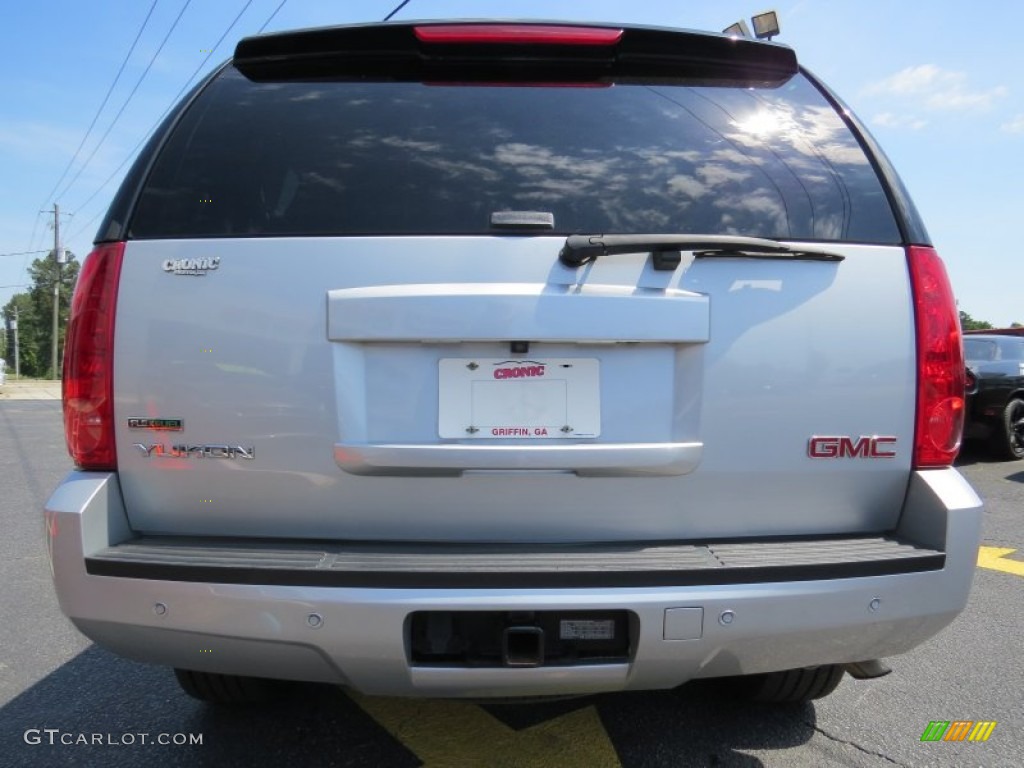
[
  {"x": 89, "y": 361},
  {"x": 940, "y": 362},
  {"x": 970, "y": 382},
  {"x": 519, "y": 34}
]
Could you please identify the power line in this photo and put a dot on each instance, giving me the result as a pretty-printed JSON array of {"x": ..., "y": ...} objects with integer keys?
[
  {"x": 128, "y": 100},
  {"x": 23, "y": 253},
  {"x": 106, "y": 98},
  {"x": 35, "y": 226},
  {"x": 87, "y": 224},
  {"x": 271, "y": 16},
  {"x": 208, "y": 55},
  {"x": 160, "y": 119},
  {"x": 398, "y": 7}
]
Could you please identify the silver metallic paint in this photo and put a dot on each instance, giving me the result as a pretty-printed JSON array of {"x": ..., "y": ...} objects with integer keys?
[
  {"x": 265, "y": 630},
  {"x": 782, "y": 361}
]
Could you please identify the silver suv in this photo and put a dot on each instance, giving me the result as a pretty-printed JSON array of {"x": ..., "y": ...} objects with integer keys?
[{"x": 511, "y": 359}]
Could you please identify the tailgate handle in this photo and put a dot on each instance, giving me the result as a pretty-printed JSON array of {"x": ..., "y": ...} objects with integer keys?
[
  {"x": 452, "y": 459},
  {"x": 508, "y": 311}
]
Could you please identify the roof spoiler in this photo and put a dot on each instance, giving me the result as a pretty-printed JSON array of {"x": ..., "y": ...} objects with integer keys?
[{"x": 513, "y": 52}]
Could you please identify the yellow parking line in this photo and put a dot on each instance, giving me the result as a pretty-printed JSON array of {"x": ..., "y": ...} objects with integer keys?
[
  {"x": 994, "y": 558},
  {"x": 445, "y": 733}
]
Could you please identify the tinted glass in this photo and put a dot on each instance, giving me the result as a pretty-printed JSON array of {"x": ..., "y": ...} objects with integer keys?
[
  {"x": 979, "y": 349},
  {"x": 410, "y": 158}
]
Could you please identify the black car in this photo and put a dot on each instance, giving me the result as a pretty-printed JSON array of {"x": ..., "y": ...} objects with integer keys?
[{"x": 995, "y": 410}]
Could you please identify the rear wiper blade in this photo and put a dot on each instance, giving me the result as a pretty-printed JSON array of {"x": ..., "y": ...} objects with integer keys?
[{"x": 582, "y": 249}]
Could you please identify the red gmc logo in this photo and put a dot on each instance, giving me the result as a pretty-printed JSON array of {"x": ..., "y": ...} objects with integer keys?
[{"x": 864, "y": 447}]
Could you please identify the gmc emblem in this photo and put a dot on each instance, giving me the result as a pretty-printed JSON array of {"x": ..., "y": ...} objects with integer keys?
[{"x": 864, "y": 447}]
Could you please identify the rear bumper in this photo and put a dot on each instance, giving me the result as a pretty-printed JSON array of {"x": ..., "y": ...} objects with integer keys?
[{"x": 301, "y": 629}]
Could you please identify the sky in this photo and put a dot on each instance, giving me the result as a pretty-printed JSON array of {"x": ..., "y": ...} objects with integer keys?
[{"x": 939, "y": 85}]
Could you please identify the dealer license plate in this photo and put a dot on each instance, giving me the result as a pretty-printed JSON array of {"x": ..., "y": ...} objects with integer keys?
[{"x": 503, "y": 399}]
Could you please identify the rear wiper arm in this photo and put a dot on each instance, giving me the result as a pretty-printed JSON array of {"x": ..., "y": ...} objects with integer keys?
[{"x": 582, "y": 249}]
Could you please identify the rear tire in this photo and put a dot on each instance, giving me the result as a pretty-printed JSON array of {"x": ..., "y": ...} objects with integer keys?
[
  {"x": 224, "y": 689},
  {"x": 1008, "y": 435},
  {"x": 790, "y": 686}
]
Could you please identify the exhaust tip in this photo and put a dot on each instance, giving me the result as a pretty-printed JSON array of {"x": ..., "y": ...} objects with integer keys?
[{"x": 867, "y": 670}]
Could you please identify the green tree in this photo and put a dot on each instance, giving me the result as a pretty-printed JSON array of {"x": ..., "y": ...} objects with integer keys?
[
  {"x": 968, "y": 323},
  {"x": 35, "y": 315}
]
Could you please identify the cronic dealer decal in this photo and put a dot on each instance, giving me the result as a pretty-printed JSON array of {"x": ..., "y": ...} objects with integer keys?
[{"x": 195, "y": 267}]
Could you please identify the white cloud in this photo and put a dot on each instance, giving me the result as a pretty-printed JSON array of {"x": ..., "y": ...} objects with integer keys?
[
  {"x": 962, "y": 99},
  {"x": 1016, "y": 125},
  {"x": 686, "y": 185},
  {"x": 889, "y": 120},
  {"x": 713, "y": 174},
  {"x": 734, "y": 156},
  {"x": 936, "y": 88},
  {"x": 910, "y": 80},
  {"x": 416, "y": 146},
  {"x": 528, "y": 158}
]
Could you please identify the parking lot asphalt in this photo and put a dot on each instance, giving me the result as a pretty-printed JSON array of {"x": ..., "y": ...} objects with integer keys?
[{"x": 64, "y": 701}]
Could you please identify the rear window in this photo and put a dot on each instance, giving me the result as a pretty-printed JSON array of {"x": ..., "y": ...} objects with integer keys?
[
  {"x": 1013, "y": 350},
  {"x": 367, "y": 158},
  {"x": 980, "y": 349}
]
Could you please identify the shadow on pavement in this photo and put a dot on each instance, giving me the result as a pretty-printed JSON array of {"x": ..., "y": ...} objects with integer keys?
[
  {"x": 697, "y": 725},
  {"x": 97, "y": 695},
  {"x": 972, "y": 453}
]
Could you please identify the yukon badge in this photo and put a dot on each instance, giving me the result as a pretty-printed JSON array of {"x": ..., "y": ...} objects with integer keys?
[
  {"x": 195, "y": 267},
  {"x": 843, "y": 447},
  {"x": 182, "y": 451}
]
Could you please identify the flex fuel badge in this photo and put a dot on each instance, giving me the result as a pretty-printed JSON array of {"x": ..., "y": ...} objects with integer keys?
[{"x": 158, "y": 425}]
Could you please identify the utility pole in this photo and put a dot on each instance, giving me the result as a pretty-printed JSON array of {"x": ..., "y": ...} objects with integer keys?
[
  {"x": 56, "y": 290},
  {"x": 17, "y": 352}
]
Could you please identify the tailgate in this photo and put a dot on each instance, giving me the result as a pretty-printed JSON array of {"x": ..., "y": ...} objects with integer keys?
[
  {"x": 317, "y": 398},
  {"x": 342, "y": 313}
]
